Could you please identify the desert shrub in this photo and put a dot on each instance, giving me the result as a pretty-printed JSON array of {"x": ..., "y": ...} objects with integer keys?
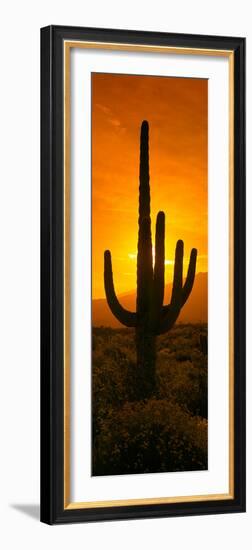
[
  {"x": 152, "y": 436},
  {"x": 183, "y": 382},
  {"x": 113, "y": 373}
]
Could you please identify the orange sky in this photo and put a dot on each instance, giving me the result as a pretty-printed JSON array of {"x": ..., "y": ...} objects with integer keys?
[{"x": 176, "y": 109}]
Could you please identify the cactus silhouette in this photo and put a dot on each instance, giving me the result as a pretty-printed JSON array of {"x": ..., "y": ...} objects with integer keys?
[{"x": 151, "y": 318}]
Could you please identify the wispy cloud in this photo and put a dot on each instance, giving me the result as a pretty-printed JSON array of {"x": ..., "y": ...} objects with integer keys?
[
  {"x": 104, "y": 109},
  {"x": 114, "y": 121}
]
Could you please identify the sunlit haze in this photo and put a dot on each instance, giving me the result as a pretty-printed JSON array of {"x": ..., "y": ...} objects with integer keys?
[{"x": 176, "y": 109}]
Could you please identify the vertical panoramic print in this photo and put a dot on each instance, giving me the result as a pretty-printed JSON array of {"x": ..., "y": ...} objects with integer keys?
[{"x": 149, "y": 274}]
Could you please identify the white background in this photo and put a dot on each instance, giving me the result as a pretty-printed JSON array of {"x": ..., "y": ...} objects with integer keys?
[{"x": 19, "y": 289}]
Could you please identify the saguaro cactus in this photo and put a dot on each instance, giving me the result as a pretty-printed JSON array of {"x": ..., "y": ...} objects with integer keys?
[{"x": 151, "y": 318}]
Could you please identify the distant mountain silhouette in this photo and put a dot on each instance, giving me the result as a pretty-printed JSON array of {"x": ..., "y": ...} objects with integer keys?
[{"x": 194, "y": 311}]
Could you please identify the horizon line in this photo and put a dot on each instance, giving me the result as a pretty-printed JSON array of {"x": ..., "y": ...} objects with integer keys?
[{"x": 127, "y": 292}]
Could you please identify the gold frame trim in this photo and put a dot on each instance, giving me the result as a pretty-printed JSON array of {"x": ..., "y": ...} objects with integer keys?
[{"x": 68, "y": 505}]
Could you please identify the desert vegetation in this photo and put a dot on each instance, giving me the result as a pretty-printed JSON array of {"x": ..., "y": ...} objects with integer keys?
[{"x": 165, "y": 432}]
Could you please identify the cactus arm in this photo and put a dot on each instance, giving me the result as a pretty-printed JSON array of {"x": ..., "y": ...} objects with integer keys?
[
  {"x": 187, "y": 288},
  {"x": 178, "y": 275},
  {"x": 170, "y": 313},
  {"x": 180, "y": 293},
  {"x": 169, "y": 316},
  {"x": 159, "y": 271},
  {"x": 127, "y": 318}
]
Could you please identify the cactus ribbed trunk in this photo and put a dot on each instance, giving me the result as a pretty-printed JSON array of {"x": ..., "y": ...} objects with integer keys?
[
  {"x": 146, "y": 361},
  {"x": 151, "y": 317},
  {"x": 145, "y": 338}
]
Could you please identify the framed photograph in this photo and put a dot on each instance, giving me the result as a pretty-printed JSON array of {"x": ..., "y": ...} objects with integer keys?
[{"x": 142, "y": 274}]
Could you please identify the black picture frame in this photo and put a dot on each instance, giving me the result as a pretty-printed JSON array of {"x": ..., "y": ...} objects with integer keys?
[{"x": 52, "y": 275}]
